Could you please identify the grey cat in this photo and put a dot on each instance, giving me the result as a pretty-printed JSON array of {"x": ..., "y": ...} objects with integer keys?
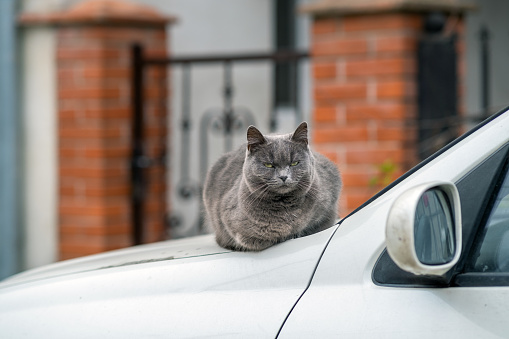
[{"x": 272, "y": 189}]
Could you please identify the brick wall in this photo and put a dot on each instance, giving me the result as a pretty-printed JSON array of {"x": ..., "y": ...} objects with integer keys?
[
  {"x": 94, "y": 98},
  {"x": 364, "y": 71}
]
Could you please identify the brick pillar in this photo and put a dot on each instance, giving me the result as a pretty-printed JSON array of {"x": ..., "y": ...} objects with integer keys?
[
  {"x": 94, "y": 40},
  {"x": 364, "y": 69}
]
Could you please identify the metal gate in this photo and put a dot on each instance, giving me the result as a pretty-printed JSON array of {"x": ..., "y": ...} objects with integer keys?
[
  {"x": 439, "y": 120},
  {"x": 226, "y": 120}
]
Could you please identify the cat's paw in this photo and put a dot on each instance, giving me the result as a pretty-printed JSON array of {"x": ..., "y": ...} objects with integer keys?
[{"x": 251, "y": 243}]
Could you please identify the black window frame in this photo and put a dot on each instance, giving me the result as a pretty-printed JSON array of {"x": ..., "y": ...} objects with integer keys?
[{"x": 466, "y": 276}]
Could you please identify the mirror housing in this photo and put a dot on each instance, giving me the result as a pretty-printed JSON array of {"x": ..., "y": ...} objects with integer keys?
[{"x": 438, "y": 204}]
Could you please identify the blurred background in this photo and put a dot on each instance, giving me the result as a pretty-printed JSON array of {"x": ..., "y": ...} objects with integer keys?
[{"x": 111, "y": 111}]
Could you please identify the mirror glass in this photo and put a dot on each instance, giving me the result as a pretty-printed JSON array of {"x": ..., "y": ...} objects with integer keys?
[{"x": 434, "y": 235}]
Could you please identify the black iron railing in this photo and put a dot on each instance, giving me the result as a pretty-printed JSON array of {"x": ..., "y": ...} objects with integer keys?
[
  {"x": 228, "y": 120},
  {"x": 439, "y": 120}
]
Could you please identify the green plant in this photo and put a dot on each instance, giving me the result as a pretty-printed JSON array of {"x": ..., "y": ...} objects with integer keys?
[{"x": 385, "y": 174}]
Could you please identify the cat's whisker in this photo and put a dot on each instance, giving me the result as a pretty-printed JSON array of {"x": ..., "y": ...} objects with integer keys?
[
  {"x": 253, "y": 196},
  {"x": 259, "y": 195},
  {"x": 249, "y": 193},
  {"x": 259, "y": 199}
]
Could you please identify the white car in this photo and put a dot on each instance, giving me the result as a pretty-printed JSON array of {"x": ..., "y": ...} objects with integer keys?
[{"x": 428, "y": 257}]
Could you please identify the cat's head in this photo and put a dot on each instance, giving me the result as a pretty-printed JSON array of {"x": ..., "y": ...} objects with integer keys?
[{"x": 278, "y": 163}]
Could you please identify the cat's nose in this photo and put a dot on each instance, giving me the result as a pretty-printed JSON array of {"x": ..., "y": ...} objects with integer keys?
[{"x": 283, "y": 178}]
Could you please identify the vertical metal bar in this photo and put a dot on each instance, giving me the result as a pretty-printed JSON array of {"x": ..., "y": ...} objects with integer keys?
[
  {"x": 9, "y": 124},
  {"x": 294, "y": 82},
  {"x": 273, "y": 112},
  {"x": 186, "y": 126},
  {"x": 137, "y": 145},
  {"x": 162, "y": 156},
  {"x": 204, "y": 159},
  {"x": 162, "y": 113},
  {"x": 228, "y": 106},
  {"x": 485, "y": 68}
]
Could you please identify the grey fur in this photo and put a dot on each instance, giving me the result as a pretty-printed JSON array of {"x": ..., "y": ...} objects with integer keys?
[{"x": 252, "y": 206}]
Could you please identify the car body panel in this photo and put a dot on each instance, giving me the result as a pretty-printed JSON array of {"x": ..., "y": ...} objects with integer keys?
[
  {"x": 161, "y": 251},
  {"x": 317, "y": 286},
  {"x": 343, "y": 300},
  {"x": 223, "y": 293}
]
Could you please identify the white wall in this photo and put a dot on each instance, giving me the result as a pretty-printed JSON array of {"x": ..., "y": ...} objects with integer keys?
[
  {"x": 39, "y": 138},
  {"x": 40, "y": 143}
]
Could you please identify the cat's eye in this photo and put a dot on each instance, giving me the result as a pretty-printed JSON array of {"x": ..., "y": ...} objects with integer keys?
[
  {"x": 295, "y": 163},
  {"x": 268, "y": 165}
]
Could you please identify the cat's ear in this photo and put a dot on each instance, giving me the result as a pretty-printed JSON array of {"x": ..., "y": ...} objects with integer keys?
[
  {"x": 254, "y": 138},
  {"x": 301, "y": 133}
]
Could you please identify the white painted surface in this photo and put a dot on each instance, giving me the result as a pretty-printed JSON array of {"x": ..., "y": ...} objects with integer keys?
[
  {"x": 40, "y": 154},
  {"x": 43, "y": 6},
  {"x": 192, "y": 289}
]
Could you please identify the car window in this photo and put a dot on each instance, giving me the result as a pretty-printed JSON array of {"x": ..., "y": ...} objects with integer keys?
[{"x": 493, "y": 254}]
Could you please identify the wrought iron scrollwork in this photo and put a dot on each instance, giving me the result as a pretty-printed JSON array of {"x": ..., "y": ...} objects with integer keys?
[{"x": 226, "y": 121}]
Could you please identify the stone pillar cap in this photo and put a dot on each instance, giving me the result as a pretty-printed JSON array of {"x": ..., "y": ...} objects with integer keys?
[
  {"x": 97, "y": 12},
  {"x": 349, "y": 7}
]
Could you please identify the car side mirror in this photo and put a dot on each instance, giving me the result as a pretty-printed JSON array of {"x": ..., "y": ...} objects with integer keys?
[{"x": 423, "y": 231}]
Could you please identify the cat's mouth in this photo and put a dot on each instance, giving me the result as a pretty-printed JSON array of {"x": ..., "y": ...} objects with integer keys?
[{"x": 284, "y": 187}]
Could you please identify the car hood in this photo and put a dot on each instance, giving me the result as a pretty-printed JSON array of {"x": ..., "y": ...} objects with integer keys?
[
  {"x": 162, "y": 251},
  {"x": 182, "y": 289}
]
